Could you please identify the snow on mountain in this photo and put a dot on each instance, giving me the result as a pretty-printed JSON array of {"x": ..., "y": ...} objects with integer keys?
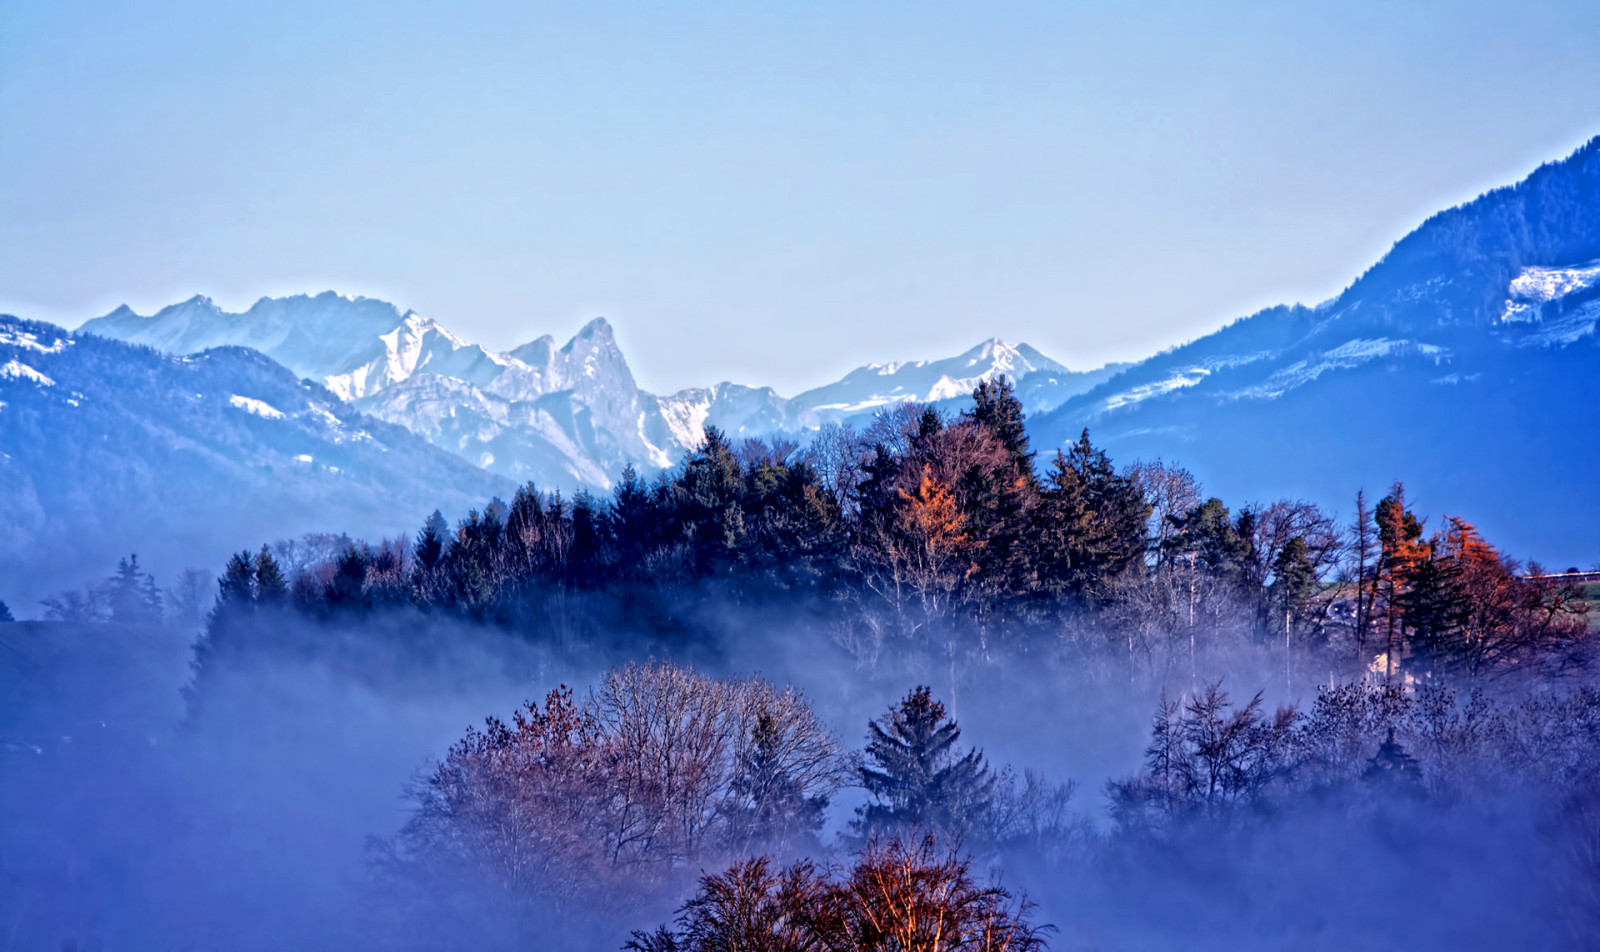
[
  {"x": 1554, "y": 305},
  {"x": 184, "y": 459},
  {"x": 1460, "y": 362},
  {"x": 927, "y": 381},
  {"x": 554, "y": 415}
]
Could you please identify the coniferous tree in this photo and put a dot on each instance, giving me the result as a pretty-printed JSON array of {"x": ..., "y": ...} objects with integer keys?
[
  {"x": 347, "y": 590},
  {"x": 271, "y": 588},
  {"x": 429, "y": 548},
  {"x": 632, "y": 516},
  {"x": 997, "y": 409},
  {"x": 710, "y": 513},
  {"x": 5, "y": 614},
  {"x": 1400, "y": 551},
  {"x": 132, "y": 595},
  {"x": 1089, "y": 525},
  {"x": 917, "y": 775}
]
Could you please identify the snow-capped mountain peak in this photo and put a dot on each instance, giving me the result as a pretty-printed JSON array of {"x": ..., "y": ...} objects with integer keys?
[{"x": 555, "y": 414}]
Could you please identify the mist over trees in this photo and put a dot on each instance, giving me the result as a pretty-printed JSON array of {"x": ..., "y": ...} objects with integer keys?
[
  {"x": 1387, "y": 679},
  {"x": 928, "y": 545}
]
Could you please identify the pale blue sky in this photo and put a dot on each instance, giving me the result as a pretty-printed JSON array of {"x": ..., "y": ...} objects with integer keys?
[{"x": 768, "y": 193}]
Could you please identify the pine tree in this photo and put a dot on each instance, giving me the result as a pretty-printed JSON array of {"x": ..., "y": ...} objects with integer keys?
[
  {"x": 710, "y": 492},
  {"x": 347, "y": 590},
  {"x": 429, "y": 549},
  {"x": 1400, "y": 551},
  {"x": 5, "y": 614},
  {"x": 917, "y": 775},
  {"x": 996, "y": 408},
  {"x": 271, "y": 588},
  {"x": 236, "y": 593},
  {"x": 1089, "y": 525},
  {"x": 132, "y": 594},
  {"x": 632, "y": 517}
]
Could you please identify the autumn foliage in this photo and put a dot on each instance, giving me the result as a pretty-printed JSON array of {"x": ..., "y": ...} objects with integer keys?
[{"x": 894, "y": 897}]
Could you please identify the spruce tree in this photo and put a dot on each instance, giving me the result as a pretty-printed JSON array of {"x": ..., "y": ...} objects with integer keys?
[
  {"x": 917, "y": 775},
  {"x": 271, "y": 588},
  {"x": 5, "y": 614},
  {"x": 429, "y": 549},
  {"x": 132, "y": 594},
  {"x": 1089, "y": 526},
  {"x": 996, "y": 407}
]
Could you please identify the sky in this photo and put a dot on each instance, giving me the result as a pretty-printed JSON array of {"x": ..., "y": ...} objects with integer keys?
[{"x": 768, "y": 193}]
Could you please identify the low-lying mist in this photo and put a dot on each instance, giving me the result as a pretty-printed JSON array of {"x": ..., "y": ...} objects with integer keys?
[{"x": 131, "y": 823}]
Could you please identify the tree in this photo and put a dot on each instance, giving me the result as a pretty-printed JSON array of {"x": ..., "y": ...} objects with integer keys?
[
  {"x": 895, "y": 897},
  {"x": 1089, "y": 526},
  {"x": 1400, "y": 551},
  {"x": 431, "y": 541},
  {"x": 5, "y": 614},
  {"x": 271, "y": 588},
  {"x": 131, "y": 594},
  {"x": 916, "y": 774},
  {"x": 997, "y": 409},
  {"x": 1207, "y": 759},
  {"x": 87, "y": 605},
  {"x": 1294, "y": 583},
  {"x": 710, "y": 514},
  {"x": 589, "y": 801},
  {"x": 1363, "y": 546},
  {"x": 1172, "y": 492}
]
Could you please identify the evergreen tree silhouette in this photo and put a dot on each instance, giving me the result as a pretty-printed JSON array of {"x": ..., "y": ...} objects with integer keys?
[{"x": 916, "y": 773}]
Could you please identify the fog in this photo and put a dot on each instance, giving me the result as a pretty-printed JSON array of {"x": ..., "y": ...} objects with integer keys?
[{"x": 126, "y": 824}]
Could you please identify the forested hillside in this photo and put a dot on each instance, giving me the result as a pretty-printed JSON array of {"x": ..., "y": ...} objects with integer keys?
[{"x": 1461, "y": 361}]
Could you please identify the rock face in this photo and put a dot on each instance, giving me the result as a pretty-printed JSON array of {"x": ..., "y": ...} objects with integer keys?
[
  {"x": 560, "y": 416},
  {"x": 1465, "y": 363},
  {"x": 109, "y": 448}
]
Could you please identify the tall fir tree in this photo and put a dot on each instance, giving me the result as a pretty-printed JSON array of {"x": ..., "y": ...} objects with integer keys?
[
  {"x": 916, "y": 774},
  {"x": 996, "y": 408}
]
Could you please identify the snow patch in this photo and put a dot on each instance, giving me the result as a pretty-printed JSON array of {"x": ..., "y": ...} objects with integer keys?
[
  {"x": 21, "y": 371},
  {"x": 30, "y": 341},
  {"x": 1534, "y": 287},
  {"x": 259, "y": 407},
  {"x": 1348, "y": 355},
  {"x": 1177, "y": 381}
]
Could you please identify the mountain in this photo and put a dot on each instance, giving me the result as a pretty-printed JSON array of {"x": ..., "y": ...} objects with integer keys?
[
  {"x": 1465, "y": 362},
  {"x": 108, "y": 448},
  {"x": 556, "y": 415}
]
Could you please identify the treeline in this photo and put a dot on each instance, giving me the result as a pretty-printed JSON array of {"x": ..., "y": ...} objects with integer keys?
[
  {"x": 608, "y": 806},
  {"x": 941, "y": 539}
]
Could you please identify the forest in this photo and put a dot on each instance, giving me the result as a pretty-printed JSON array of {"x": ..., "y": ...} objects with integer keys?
[{"x": 1333, "y": 711}]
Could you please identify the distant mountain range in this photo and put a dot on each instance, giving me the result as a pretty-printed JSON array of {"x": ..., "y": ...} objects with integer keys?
[
  {"x": 1465, "y": 362},
  {"x": 556, "y": 415},
  {"x": 108, "y": 448}
]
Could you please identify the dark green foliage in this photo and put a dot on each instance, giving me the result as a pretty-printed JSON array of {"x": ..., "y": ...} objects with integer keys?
[
  {"x": 1294, "y": 584},
  {"x": 941, "y": 543},
  {"x": 917, "y": 776},
  {"x": 271, "y": 589},
  {"x": 1089, "y": 528},
  {"x": 997, "y": 409}
]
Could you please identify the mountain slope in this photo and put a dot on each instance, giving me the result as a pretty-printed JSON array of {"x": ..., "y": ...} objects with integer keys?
[
  {"x": 109, "y": 448},
  {"x": 1463, "y": 362},
  {"x": 559, "y": 416}
]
